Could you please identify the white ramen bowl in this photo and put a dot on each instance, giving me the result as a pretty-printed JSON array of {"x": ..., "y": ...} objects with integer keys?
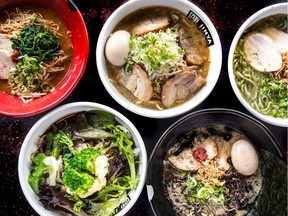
[
  {"x": 196, "y": 14},
  {"x": 265, "y": 12},
  {"x": 29, "y": 146}
]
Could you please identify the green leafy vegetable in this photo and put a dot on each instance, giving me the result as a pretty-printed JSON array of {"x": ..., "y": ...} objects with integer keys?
[
  {"x": 126, "y": 148},
  {"x": 115, "y": 189},
  {"x": 78, "y": 203},
  {"x": 36, "y": 42},
  {"x": 94, "y": 133},
  {"x": 110, "y": 197},
  {"x": 37, "y": 172},
  {"x": 99, "y": 118},
  {"x": 59, "y": 141}
]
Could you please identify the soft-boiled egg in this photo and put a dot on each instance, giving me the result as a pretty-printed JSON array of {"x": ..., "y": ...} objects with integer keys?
[
  {"x": 244, "y": 157},
  {"x": 117, "y": 47}
]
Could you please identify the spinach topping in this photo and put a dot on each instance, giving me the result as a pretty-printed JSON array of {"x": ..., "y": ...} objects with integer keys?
[{"x": 36, "y": 42}]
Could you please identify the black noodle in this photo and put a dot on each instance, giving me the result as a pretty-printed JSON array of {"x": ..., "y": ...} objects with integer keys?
[{"x": 236, "y": 185}]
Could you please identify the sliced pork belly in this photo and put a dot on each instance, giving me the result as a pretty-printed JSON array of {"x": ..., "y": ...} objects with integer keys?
[
  {"x": 5, "y": 43},
  {"x": 186, "y": 40},
  {"x": 150, "y": 25},
  {"x": 261, "y": 52},
  {"x": 185, "y": 161},
  {"x": 181, "y": 86},
  {"x": 138, "y": 83},
  {"x": 279, "y": 38},
  {"x": 191, "y": 159},
  {"x": 6, "y": 63}
]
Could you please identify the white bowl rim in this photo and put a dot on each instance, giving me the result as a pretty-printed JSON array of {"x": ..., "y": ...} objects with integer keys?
[
  {"x": 56, "y": 114},
  {"x": 175, "y": 111},
  {"x": 264, "y": 12}
]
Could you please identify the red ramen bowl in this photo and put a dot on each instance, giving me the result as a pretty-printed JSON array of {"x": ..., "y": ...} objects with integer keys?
[{"x": 14, "y": 106}]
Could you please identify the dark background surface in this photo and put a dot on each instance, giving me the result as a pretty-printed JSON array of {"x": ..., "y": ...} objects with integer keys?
[{"x": 227, "y": 17}]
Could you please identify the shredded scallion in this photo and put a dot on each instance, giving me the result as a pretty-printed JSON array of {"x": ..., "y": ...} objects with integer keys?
[{"x": 158, "y": 52}]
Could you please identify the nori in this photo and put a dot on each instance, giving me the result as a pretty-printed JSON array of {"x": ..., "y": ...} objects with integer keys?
[{"x": 272, "y": 198}]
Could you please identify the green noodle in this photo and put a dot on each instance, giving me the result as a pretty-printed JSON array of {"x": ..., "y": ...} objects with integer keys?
[{"x": 256, "y": 87}]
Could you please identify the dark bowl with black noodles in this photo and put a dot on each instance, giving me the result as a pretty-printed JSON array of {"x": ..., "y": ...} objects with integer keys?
[{"x": 217, "y": 162}]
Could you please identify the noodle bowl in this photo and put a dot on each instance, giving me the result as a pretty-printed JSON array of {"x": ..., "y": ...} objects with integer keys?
[
  {"x": 250, "y": 81},
  {"x": 262, "y": 92},
  {"x": 52, "y": 42}
]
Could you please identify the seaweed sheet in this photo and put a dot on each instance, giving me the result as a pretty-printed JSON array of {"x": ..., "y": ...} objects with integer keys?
[{"x": 272, "y": 199}]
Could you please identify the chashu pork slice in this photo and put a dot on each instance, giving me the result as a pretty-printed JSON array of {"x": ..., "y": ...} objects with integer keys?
[
  {"x": 138, "y": 83},
  {"x": 150, "y": 25},
  {"x": 181, "y": 86},
  {"x": 280, "y": 38},
  {"x": 188, "y": 159},
  {"x": 262, "y": 53},
  {"x": 6, "y": 63},
  {"x": 6, "y": 43},
  {"x": 192, "y": 54}
]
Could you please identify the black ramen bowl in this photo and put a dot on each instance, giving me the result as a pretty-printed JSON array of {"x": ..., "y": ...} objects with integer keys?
[{"x": 255, "y": 131}]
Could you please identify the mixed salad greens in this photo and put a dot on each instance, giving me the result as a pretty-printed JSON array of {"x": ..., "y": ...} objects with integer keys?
[{"x": 85, "y": 164}]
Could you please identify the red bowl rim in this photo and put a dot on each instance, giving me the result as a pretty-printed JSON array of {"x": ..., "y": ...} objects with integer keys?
[{"x": 14, "y": 107}]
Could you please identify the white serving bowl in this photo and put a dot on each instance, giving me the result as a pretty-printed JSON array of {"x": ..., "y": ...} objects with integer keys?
[
  {"x": 215, "y": 55},
  {"x": 28, "y": 147},
  {"x": 265, "y": 12}
]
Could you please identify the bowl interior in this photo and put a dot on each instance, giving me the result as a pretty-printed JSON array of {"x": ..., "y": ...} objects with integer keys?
[
  {"x": 195, "y": 14},
  {"x": 255, "y": 131},
  {"x": 28, "y": 147},
  {"x": 12, "y": 106},
  {"x": 265, "y": 12}
]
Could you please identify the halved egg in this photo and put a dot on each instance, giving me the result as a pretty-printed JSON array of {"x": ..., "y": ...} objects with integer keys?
[
  {"x": 117, "y": 47},
  {"x": 244, "y": 157}
]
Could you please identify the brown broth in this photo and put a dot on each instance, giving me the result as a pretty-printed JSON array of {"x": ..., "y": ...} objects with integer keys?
[
  {"x": 64, "y": 40},
  {"x": 199, "y": 42}
]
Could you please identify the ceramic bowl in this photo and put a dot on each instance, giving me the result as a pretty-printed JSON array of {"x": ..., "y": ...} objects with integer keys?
[
  {"x": 13, "y": 106},
  {"x": 280, "y": 8},
  {"x": 203, "y": 22},
  {"x": 254, "y": 130},
  {"x": 29, "y": 146}
]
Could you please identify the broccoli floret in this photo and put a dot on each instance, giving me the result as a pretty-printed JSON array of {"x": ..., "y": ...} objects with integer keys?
[
  {"x": 59, "y": 141},
  {"x": 84, "y": 160},
  {"x": 78, "y": 182}
]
